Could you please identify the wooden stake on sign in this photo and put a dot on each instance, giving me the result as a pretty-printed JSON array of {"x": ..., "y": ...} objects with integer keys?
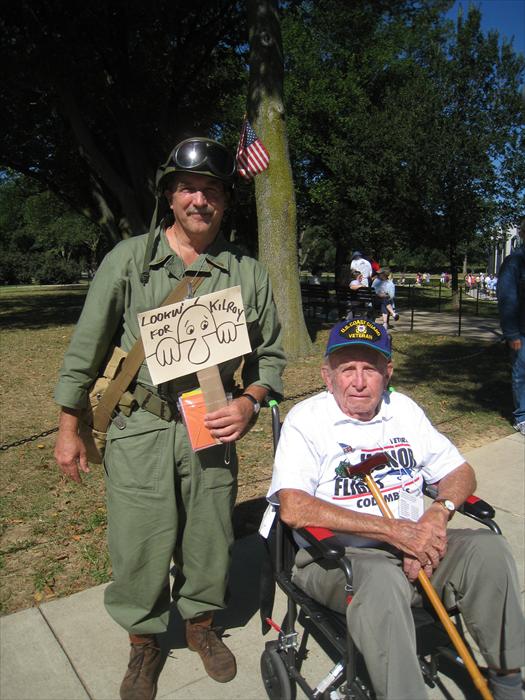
[{"x": 212, "y": 389}]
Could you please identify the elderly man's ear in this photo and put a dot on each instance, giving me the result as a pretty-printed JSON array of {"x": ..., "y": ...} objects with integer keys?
[
  {"x": 326, "y": 375},
  {"x": 389, "y": 372}
]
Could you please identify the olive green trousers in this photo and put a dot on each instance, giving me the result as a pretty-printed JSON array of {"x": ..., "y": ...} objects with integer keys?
[
  {"x": 166, "y": 506},
  {"x": 478, "y": 574}
]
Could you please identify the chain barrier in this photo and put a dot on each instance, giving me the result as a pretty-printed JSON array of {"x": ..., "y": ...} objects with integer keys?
[
  {"x": 23, "y": 441},
  {"x": 308, "y": 392}
]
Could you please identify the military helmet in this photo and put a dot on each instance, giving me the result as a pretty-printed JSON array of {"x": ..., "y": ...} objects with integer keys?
[{"x": 198, "y": 155}]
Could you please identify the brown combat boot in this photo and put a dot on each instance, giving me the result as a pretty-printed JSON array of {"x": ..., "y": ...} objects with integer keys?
[
  {"x": 145, "y": 662},
  {"x": 218, "y": 660}
]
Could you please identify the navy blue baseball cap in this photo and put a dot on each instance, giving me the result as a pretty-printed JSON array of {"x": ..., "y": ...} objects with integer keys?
[{"x": 359, "y": 331}]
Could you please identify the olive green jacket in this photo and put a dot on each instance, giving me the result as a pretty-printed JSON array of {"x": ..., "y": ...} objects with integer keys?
[{"x": 116, "y": 296}]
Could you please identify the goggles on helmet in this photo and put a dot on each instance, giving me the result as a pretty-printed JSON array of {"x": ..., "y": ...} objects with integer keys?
[{"x": 200, "y": 155}]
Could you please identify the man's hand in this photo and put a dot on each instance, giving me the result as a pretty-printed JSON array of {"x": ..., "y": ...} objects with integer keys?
[
  {"x": 70, "y": 451},
  {"x": 515, "y": 344},
  {"x": 437, "y": 517},
  {"x": 424, "y": 543},
  {"x": 230, "y": 422}
]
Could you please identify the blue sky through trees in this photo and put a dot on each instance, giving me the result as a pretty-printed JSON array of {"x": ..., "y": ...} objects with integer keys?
[{"x": 507, "y": 16}]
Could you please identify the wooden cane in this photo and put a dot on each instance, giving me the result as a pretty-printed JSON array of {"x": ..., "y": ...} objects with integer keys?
[{"x": 364, "y": 469}]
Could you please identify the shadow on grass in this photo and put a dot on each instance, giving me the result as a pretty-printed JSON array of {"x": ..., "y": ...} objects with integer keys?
[
  {"x": 41, "y": 309},
  {"x": 314, "y": 326},
  {"x": 476, "y": 376}
]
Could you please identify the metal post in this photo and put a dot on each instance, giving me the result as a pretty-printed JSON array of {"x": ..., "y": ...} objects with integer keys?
[
  {"x": 439, "y": 297},
  {"x": 411, "y": 294},
  {"x": 460, "y": 309},
  {"x": 477, "y": 300}
]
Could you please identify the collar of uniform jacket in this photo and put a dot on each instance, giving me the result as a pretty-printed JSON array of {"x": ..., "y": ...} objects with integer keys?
[{"x": 217, "y": 253}]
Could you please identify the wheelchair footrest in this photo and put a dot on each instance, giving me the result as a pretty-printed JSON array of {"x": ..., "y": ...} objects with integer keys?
[{"x": 331, "y": 624}]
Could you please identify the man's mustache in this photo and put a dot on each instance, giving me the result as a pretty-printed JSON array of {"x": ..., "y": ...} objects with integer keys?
[{"x": 203, "y": 211}]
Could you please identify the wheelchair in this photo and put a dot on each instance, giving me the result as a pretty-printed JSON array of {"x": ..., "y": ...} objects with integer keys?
[{"x": 283, "y": 658}]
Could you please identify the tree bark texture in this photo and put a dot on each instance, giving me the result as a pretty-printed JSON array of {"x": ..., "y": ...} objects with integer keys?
[{"x": 274, "y": 189}]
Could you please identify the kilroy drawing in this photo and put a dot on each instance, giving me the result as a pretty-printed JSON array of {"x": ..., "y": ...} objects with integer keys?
[{"x": 194, "y": 334}]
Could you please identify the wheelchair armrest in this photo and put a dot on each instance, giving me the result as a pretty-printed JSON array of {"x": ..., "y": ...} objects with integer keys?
[
  {"x": 473, "y": 507},
  {"x": 430, "y": 490},
  {"x": 323, "y": 541},
  {"x": 478, "y": 508}
]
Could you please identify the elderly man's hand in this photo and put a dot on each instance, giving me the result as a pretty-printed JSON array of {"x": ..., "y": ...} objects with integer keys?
[
  {"x": 424, "y": 543},
  {"x": 437, "y": 518}
]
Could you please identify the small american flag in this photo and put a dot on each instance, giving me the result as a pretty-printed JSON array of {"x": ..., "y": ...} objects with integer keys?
[{"x": 252, "y": 157}]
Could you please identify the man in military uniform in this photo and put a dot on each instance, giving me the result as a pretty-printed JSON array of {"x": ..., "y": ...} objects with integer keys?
[{"x": 164, "y": 500}]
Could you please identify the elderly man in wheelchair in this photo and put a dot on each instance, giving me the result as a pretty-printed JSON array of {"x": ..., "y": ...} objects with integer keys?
[{"x": 322, "y": 440}]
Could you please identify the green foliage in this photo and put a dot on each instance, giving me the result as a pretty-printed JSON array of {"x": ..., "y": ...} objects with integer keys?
[
  {"x": 43, "y": 240},
  {"x": 475, "y": 113},
  {"x": 419, "y": 260},
  {"x": 316, "y": 251},
  {"x": 95, "y": 96},
  {"x": 404, "y": 130}
]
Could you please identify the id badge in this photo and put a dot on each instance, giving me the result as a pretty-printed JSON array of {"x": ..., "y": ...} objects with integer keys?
[
  {"x": 411, "y": 506},
  {"x": 267, "y": 521}
]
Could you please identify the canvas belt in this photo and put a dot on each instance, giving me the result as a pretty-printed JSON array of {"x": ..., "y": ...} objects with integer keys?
[{"x": 153, "y": 403}]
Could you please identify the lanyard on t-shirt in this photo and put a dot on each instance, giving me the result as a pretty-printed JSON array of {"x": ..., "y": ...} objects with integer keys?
[{"x": 410, "y": 505}]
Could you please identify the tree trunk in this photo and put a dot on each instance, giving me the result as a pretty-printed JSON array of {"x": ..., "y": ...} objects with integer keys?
[
  {"x": 274, "y": 189},
  {"x": 342, "y": 275},
  {"x": 454, "y": 275},
  {"x": 132, "y": 221}
]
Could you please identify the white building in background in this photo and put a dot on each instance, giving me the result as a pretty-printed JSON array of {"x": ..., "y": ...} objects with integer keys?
[{"x": 502, "y": 249}]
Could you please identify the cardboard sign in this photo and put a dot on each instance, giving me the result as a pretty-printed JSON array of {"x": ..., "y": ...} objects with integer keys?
[{"x": 194, "y": 334}]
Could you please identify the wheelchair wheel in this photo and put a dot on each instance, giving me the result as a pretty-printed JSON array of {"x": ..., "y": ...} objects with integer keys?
[{"x": 277, "y": 683}]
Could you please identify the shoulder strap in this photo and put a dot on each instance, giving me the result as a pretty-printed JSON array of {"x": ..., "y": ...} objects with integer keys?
[{"x": 103, "y": 412}]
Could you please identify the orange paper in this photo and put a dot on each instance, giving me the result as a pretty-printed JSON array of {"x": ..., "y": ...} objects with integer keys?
[{"x": 193, "y": 410}]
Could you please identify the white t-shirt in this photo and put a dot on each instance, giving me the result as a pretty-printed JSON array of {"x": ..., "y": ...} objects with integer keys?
[
  {"x": 363, "y": 266},
  {"x": 384, "y": 288},
  {"x": 318, "y": 441}
]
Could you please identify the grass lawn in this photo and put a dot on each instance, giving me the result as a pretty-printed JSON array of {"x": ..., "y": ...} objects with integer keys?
[
  {"x": 436, "y": 298},
  {"x": 52, "y": 531}
]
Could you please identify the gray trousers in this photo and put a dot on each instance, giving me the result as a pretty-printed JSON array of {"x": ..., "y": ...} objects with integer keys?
[
  {"x": 478, "y": 574},
  {"x": 166, "y": 504}
]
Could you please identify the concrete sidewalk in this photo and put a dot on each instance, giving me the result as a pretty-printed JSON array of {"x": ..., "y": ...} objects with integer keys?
[
  {"x": 69, "y": 649},
  {"x": 447, "y": 323}
]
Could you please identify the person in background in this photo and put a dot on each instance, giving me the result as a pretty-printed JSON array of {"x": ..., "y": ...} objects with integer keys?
[
  {"x": 511, "y": 305},
  {"x": 361, "y": 264},
  {"x": 315, "y": 277},
  {"x": 385, "y": 291},
  {"x": 357, "y": 280}
]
